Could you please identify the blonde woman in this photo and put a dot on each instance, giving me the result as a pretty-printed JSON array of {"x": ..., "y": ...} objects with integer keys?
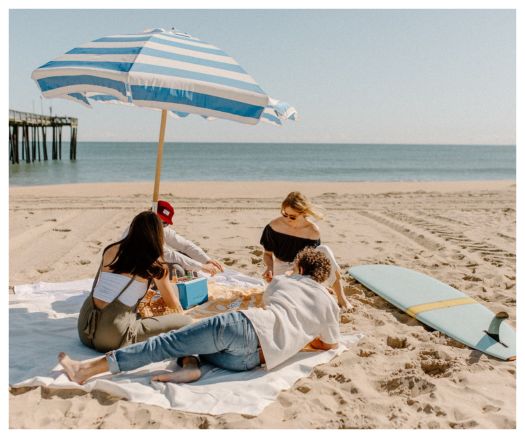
[{"x": 292, "y": 231}]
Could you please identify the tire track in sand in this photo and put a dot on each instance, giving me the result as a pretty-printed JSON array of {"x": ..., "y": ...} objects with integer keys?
[{"x": 434, "y": 236}]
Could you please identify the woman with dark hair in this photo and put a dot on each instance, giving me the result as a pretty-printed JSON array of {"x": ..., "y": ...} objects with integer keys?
[{"x": 108, "y": 318}]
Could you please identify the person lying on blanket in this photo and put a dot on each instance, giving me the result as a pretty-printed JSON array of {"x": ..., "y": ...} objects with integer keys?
[{"x": 298, "y": 312}]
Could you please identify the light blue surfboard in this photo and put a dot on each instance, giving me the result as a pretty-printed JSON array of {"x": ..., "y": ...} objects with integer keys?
[{"x": 441, "y": 307}]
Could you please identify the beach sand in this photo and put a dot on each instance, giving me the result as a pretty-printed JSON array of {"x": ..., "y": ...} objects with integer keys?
[{"x": 401, "y": 375}]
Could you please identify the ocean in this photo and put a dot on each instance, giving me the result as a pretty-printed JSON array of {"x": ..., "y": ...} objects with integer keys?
[{"x": 132, "y": 162}]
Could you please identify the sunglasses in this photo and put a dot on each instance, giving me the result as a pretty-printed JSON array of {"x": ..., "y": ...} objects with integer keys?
[{"x": 289, "y": 216}]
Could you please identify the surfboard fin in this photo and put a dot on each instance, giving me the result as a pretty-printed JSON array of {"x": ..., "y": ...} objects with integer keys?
[{"x": 495, "y": 324}]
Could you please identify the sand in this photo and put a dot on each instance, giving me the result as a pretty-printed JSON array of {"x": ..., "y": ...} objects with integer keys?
[{"x": 401, "y": 375}]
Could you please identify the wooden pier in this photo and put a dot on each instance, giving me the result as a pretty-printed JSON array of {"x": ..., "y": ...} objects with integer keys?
[{"x": 30, "y": 130}]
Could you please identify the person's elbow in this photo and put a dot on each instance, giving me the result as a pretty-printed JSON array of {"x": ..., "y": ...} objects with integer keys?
[
  {"x": 174, "y": 305},
  {"x": 320, "y": 345}
]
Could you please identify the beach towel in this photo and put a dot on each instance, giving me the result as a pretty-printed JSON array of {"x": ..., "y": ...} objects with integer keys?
[{"x": 43, "y": 318}]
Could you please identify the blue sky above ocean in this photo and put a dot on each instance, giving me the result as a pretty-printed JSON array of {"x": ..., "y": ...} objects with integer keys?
[{"x": 362, "y": 76}]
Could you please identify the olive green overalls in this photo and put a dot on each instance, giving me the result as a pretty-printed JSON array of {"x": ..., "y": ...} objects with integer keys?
[{"x": 118, "y": 325}]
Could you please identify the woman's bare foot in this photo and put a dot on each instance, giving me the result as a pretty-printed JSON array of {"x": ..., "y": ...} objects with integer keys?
[
  {"x": 79, "y": 371},
  {"x": 179, "y": 376},
  {"x": 190, "y": 372},
  {"x": 73, "y": 368},
  {"x": 344, "y": 304}
]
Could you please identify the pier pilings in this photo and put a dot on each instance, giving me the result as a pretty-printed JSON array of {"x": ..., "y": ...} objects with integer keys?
[{"x": 24, "y": 136}]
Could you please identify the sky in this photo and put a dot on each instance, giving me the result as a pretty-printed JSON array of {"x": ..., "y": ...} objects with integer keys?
[{"x": 355, "y": 76}]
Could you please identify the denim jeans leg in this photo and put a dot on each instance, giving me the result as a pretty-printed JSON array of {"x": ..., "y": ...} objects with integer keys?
[
  {"x": 233, "y": 362},
  {"x": 243, "y": 353},
  {"x": 208, "y": 336}
]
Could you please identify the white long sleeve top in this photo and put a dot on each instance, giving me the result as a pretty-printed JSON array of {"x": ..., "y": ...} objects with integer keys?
[{"x": 180, "y": 250}]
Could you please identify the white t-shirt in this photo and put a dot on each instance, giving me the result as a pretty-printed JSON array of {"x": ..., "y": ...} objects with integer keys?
[{"x": 297, "y": 310}]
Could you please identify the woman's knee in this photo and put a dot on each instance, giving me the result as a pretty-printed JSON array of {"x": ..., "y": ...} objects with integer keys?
[
  {"x": 326, "y": 250},
  {"x": 335, "y": 273}
]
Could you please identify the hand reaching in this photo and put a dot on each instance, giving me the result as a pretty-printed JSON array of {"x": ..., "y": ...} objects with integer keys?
[
  {"x": 211, "y": 269},
  {"x": 268, "y": 275},
  {"x": 217, "y": 264}
]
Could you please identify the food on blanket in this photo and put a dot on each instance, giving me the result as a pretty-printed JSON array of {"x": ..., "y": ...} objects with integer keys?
[
  {"x": 153, "y": 305},
  {"x": 225, "y": 291},
  {"x": 221, "y": 298}
]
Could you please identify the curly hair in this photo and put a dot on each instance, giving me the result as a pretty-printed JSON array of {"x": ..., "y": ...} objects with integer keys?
[{"x": 313, "y": 263}]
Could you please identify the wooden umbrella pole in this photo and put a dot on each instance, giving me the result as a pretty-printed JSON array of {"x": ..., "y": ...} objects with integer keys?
[{"x": 160, "y": 148}]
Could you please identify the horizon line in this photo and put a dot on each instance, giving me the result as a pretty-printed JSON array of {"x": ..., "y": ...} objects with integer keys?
[{"x": 301, "y": 142}]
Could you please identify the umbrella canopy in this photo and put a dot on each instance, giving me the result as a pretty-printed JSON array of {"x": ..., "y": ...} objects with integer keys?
[{"x": 166, "y": 70}]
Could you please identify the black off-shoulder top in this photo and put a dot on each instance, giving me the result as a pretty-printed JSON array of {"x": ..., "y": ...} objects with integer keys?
[{"x": 284, "y": 246}]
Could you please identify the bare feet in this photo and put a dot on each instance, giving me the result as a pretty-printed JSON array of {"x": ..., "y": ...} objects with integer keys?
[
  {"x": 344, "y": 304},
  {"x": 79, "y": 371},
  {"x": 179, "y": 376},
  {"x": 189, "y": 373},
  {"x": 72, "y": 368}
]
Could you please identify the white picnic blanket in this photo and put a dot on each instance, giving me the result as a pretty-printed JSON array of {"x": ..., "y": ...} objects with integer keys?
[{"x": 42, "y": 322}]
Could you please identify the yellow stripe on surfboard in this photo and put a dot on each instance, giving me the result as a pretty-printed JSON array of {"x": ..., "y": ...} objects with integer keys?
[{"x": 414, "y": 310}]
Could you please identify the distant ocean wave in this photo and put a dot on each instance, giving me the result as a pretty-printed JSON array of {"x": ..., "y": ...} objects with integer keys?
[{"x": 128, "y": 162}]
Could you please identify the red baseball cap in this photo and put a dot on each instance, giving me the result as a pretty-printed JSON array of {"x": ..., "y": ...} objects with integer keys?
[{"x": 165, "y": 211}]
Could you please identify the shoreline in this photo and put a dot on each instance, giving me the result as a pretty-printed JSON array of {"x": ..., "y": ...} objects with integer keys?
[{"x": 314, "y": 188}]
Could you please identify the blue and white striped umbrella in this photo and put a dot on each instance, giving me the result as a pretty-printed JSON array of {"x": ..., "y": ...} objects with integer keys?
[
  {"x": 160, "y": 69},
  {"x": 167, "y": 70}
]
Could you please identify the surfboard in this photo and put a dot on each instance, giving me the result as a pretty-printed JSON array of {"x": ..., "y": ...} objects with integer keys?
[{"x": 441, "y": 307}]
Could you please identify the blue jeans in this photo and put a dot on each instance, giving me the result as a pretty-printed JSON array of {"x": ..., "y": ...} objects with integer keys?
[{"x": 227, "y": 340}]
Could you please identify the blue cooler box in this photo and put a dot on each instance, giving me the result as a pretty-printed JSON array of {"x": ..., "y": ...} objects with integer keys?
[{"x": 193, "y": 292}]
